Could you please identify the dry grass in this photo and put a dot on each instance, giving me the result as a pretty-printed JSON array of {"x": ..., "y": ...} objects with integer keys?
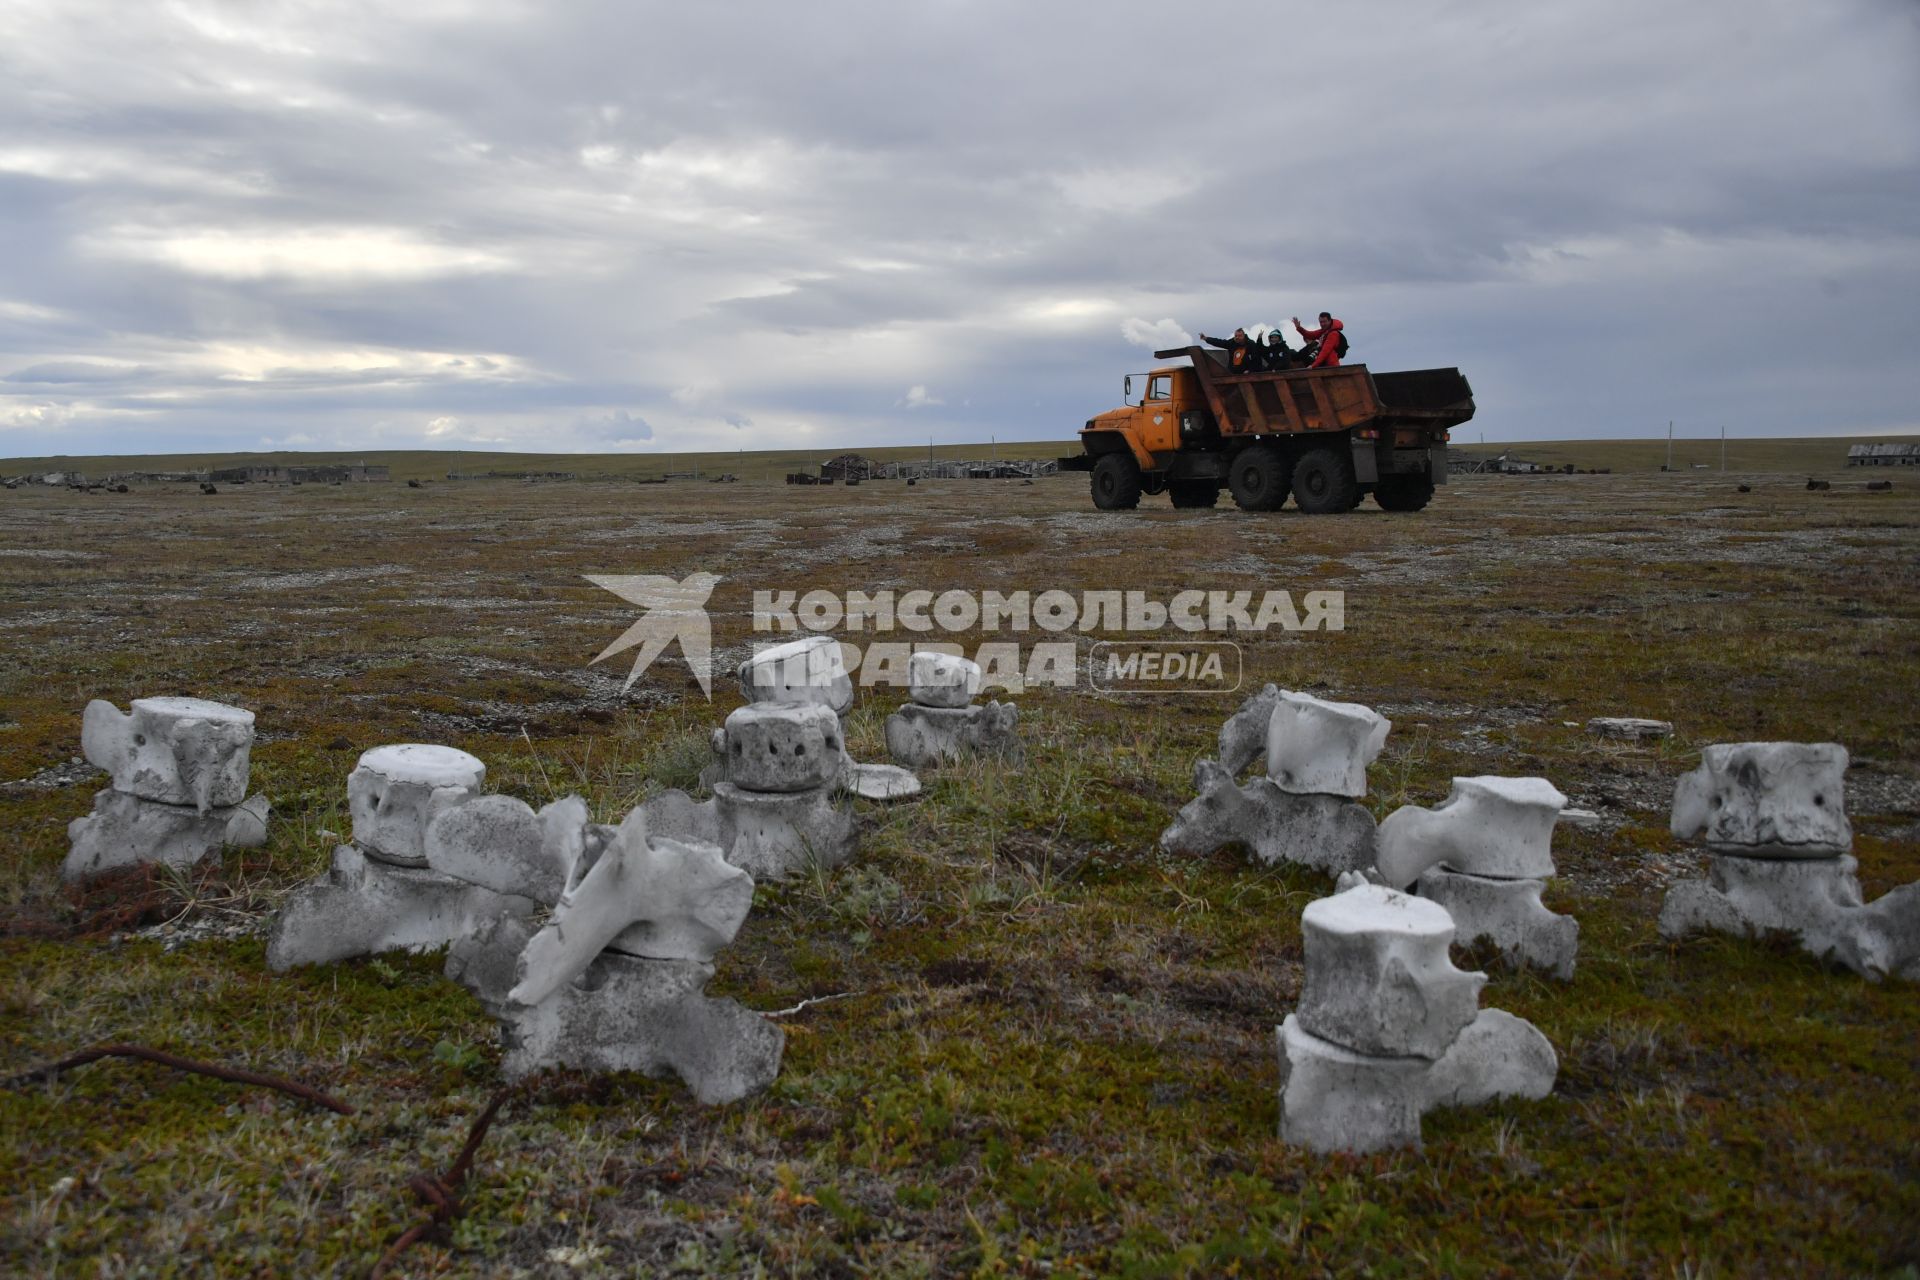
[{"x": 1058, "y": 1057}]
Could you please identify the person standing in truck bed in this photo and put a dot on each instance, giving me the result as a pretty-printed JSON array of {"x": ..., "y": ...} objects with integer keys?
[
  {"x": 1241, "y": 356},
  {"x": 1332, "y": 341},
  {"x": 1276, "y": 356}
]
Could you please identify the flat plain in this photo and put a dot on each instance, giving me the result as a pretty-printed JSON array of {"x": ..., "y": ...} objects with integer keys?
[{"x": 1050, "y": 1050}]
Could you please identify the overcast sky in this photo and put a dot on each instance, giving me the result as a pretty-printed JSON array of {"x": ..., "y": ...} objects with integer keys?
[{"x": 729, "y": 224}]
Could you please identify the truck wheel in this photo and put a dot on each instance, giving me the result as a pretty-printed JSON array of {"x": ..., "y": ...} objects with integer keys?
[
  {"x": 1323, "y": 482},
  {"x": 1193, "y": 493},
  {"x": 1116, "y": 483},
  {"x": 1258, "y": 478},
  {"x": 1407, "y": 492}
]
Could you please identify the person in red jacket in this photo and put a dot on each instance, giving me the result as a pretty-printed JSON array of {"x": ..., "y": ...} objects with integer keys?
[{"x": 1327, "y": 356}]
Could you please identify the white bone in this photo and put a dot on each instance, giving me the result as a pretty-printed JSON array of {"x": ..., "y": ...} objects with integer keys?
[
  {"x": 937, "y": 679},
  {"x": 1487, "y": 826},
  {"x": 173, "y": 750},
  {"x": 1378, "y": 978},
  {"x": 690, "y": 900},
  {"x": 396, "y": 791},
  {"x": 1767, "y": 800},
  {"x": 808, "y": 671},
  {"x": 1316, "y": 747}
]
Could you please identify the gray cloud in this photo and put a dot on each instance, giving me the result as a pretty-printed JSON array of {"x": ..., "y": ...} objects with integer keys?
[{"x": 612, "y": 225}]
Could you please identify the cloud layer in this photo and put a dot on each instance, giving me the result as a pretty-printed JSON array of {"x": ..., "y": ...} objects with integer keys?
[{"x": 631, "y": 226}]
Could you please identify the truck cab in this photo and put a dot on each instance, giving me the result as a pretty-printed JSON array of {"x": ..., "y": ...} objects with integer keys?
[{"x": 1161, "y": 410}]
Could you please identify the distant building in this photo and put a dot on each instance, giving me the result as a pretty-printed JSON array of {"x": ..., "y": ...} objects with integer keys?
[
  {"x": 1460, "y": 462},
  {"x": 1904, "y": 453},
  {"x": 310, "y": 473},
  {"x": 967, "y": 469},
  {"x": 848, "y": 466}
]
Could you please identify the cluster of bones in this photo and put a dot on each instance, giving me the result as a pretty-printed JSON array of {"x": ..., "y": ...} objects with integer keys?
[{"x": 591, "y": 944}]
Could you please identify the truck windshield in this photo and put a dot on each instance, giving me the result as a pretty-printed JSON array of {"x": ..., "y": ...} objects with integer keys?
[{"x": 1160, "y": 387}]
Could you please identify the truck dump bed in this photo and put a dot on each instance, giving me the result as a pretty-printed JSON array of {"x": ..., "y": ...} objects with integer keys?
[{"x": 1349, "y": 397}]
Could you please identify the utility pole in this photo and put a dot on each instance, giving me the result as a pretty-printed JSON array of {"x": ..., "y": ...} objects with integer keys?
[
  {"x": 1669, "y": 444},
  {"x": 1723, "y": 448}
]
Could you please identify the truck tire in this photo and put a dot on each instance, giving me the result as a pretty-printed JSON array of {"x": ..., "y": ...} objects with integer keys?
[
  {"x": 1193, "y": 493},
  {"x": 1116, "y": 483},
  {"x": 1409, "y": 491},
  {"x": 1323, "y": 482},
  {"x": 1258, "y": 477}
]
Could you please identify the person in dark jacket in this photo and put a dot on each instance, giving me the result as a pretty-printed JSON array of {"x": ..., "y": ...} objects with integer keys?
[
  {"x": 1242, "y": 356},
  {"x": 1276, "y": 356}
]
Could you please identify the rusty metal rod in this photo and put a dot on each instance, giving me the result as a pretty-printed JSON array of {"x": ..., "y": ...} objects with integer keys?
[
  {"x": 441, "y": 1194},
  {"x": 234, "y": 1075}
]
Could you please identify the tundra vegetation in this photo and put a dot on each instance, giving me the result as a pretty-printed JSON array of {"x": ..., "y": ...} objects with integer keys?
[{"x": 1053, "y": 1053}]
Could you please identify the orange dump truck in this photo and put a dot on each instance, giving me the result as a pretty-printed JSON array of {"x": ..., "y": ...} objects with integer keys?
[{"x": 1326, "y": 436}]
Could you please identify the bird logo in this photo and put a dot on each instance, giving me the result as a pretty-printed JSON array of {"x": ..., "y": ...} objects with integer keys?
[{"x": 675, "y": 611}]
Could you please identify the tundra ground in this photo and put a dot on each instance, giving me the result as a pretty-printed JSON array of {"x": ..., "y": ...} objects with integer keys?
[{"x": 1054, "y": 1051}]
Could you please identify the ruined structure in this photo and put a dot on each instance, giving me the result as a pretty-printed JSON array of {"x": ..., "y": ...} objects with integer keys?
[
  {"x": 381, "y": 893},
  {"x": 940, "y": 724},
  {"x": 179, "y": 790},
  {"x": 1485, "y": 854},
  {"x": 1305, "y": 809},
  {"x": 1773, "y": 818},
  {"x": 1387, "y": 1029}
]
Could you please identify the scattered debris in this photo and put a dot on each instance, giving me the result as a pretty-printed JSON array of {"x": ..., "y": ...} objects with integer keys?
[
  {"x": 441, "y": 1194},
  {"x": 1631, "y": 728}
]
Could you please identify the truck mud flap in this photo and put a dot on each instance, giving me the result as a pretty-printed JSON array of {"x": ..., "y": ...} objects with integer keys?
[{"x": 1366, "y": 467}]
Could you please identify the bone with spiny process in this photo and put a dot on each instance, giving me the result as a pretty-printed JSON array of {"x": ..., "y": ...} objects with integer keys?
[
  {"x": 1243, "y": 738},
  {"x": 1330, "y": 833},
  {"x": 689, "y": 900},
  {"x": 1487, "y": 826}
]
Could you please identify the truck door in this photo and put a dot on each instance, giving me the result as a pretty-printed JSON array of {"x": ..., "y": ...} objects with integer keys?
[{"x": 1160, "y": 415}]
